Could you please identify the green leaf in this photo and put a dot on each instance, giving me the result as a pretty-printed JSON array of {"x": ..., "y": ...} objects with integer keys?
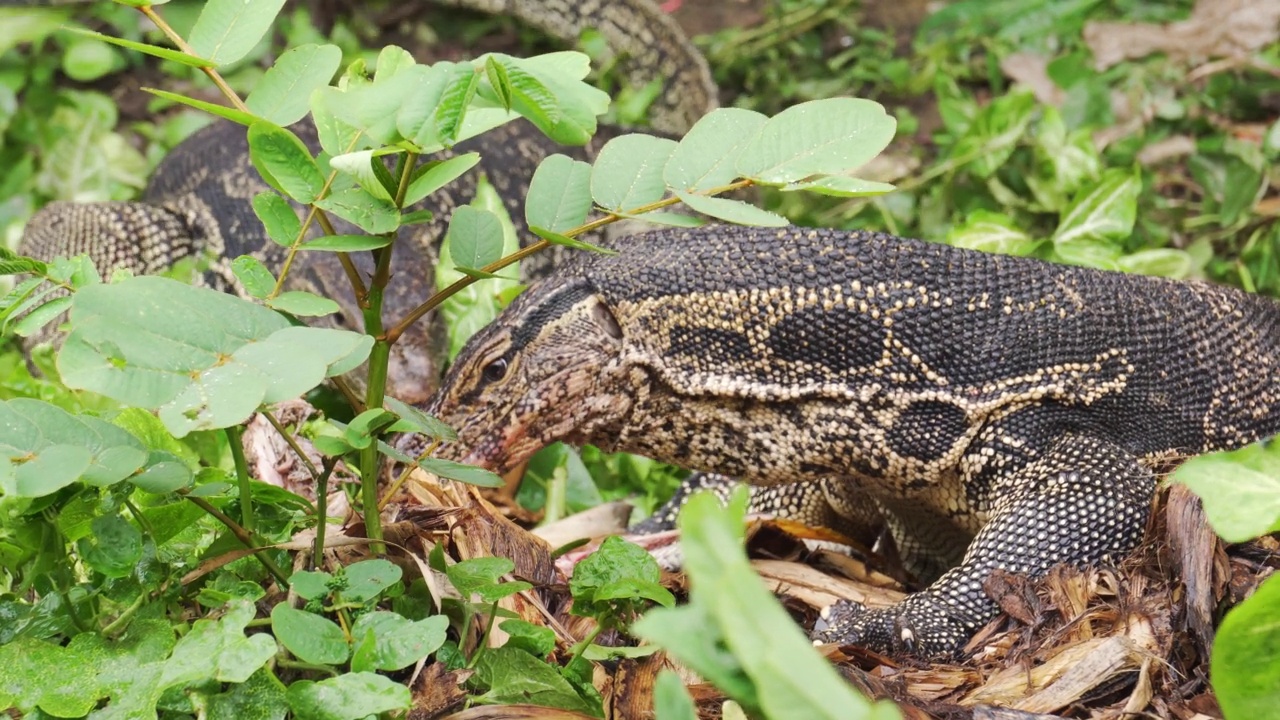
[
  {"x": 303, "y": 304},
  {"x": 163, "y": 53},
  {"x": 992, "y": 232},
  {"x": 627, "y": 173},
  {"x": 41, "y": 316},
  {"x": 50, "y": 448},
  {"x": 163, "y": 476},
  {"x": 115, "y": 547},
  {"x": 352, "y": 696},
  {"x": 618, "y": 570},
  {"x": 228, "y": 29},
  {"x": 261, "y": 697},
  {"x": 558, "y": 239},
  {"x": 1105, "y": 211},
  {"x": 820, "y": 137},
  {"x": 671, "y": 701},
  {"x": 454, "y": 100},
  {"x": 88, "y": 59},
  {"x": 498, "y": 80},
  {"x": 707, "y": 156},
  {"x": 730, "y": 605},
  {"x": 218, "y": 650},
  {"x": 483, "y": 576},
  {"x": 734, "y": 211},
  {"x": 474, "y": 237},
  {"x": 360, "y": 166},
  {"x": 437, "y": 174},
  {"x": 283, "y": 93},
  {"x": 507, "y": 675},
  {"x": 537, "y": 640},
  {"x": 358, "y": 206},
  {"x": 134, "y": 341},
  {"x": 362, "y": 429},
  {"x": 348, "y": 243},
  {"x": 992, "y": 136},
  {"x": 1246, "y": 655},
  {"x": 367, "y": 578},
  {"x": 397, "y": 641},
  {"x": 311, "y": 638},
  {"x": 841, "y": 186},
  {"x": 277, "y": 216},
  {"x": 559, "y": 196},
  {"x": 253, "y": 275},
  {"x": 462, "y": 473},
  {"x": 20, "y": 265},
  {"x": 414, "y": 420},
  {"x": 1160, "y": 262},
  {"x": 229, "y": 113},
  {"x": 311, "y": 584},
  {"x": 284, "y": 162},
  {"x": 1240, "y": 491},
  {"x": 548, "y": 90}
]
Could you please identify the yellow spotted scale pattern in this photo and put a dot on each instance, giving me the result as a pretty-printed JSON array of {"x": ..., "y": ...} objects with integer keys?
[{"x": 996, "y": 412}]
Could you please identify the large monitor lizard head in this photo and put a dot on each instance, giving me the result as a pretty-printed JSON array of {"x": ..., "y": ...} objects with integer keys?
[{"x": 549, "y": 368}]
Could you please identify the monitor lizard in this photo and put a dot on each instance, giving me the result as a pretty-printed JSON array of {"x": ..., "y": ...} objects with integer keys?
[{"x": 999, "y": 412}]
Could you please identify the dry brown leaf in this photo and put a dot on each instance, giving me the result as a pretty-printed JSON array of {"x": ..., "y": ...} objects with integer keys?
[
  {"x": 1031, "y": 70},
  {"x": 1216, "y": 28}
]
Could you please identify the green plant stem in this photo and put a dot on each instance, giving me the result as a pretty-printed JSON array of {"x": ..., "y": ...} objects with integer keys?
[
  {"x": 557, "y": 495},
  {"x": 243, "y": 536},
  {"x": 182, "y": 45},
  {"x": 235, "y": 438},
  {"x": 582, "y": 646},
  {"x": 484, "y": 638},
  {"x": 293, "y": 443},
  {"x": 322, "y": 510},
  {"x": 437, "y": 299},
  {"x": 123, "y": 618}
]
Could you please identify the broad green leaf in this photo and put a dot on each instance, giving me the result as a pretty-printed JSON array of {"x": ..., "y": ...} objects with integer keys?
[
  {"x": 820, "y": 137},
  {"x": 283, "y": 93},
  {"x": 134, "y": 341},
  {"x": 228, "y": 29},
  {"x": 277, "y": 216},
  {"x": 422, "y": 89},
  {"x": 228, "y": 113},
  {"x": 841, "y": 186},
  {"x": 363, "y": 428},
  {"x": 477, "y": 304},
  {"x": 51, "y": 448},
  {"x": 707, "y": 156},
  {"x": 990, "y": 139},
  {"x": 41, "y": 316},
  {"x": 358, "y": 206},
  {"x": 367, "y": 578},
  {"x": 537, "y": 640},
  {"x": 1161, "y": 262},
  {"x": 1246, "y": 656},
  {"x": 618, "y": 570},
  {"x": 1105, "y": 211},
  {"x": 671, "y": 701},
  {"x": 436, "y": 175},
  {"x": 627, "y": 173},
  {"x": 1240, "y": 491},
  {"x": 462, "y": 473},
  {"x": 261, "y": 697},
  {"x": 20, "y": 265},
  {"x": 352, "y": 696},
  {"x": 88, "y": 59},
  {"x": 498, "y": 80},
  {"x": 398, "y": 642},
  {"x": 164, "y": 476},
  {"x": 474, "y": 237},
  {"x": 253, "y": 275},
  {"x": 559, "y": 196},
  {"x": 284, "y": 162},
  {"x": 114, "y": 548},
  {"x": 734, "y": 211},
  {"x": 163, "y": 53},
  {"x": 312, "y": 638},
  {"x": 548, "y": 90},
  {"x": 337, "y": 135},
  {"x": 992, "y": 232},
  {"x": 359, "y": 166},
  {"x": 508, "y": 675},
  {"x": 219, "y": 650},
  {"x": 309, "y": 584},
  {"x": 454, "y": 102},
  {"x": 414, "y": 420},
  {"x": 348, "y": 243},
  {"x": 482, "y": 576},
  {"x": 303, "y": 304},
  {"x": 791, "y": 679}
]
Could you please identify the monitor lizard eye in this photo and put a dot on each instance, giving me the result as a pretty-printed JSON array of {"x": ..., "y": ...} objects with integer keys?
[{"x": 494, "y": 371}]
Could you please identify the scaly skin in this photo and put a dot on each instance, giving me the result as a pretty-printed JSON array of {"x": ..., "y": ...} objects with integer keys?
[{"x": 1004, "y": 405}]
